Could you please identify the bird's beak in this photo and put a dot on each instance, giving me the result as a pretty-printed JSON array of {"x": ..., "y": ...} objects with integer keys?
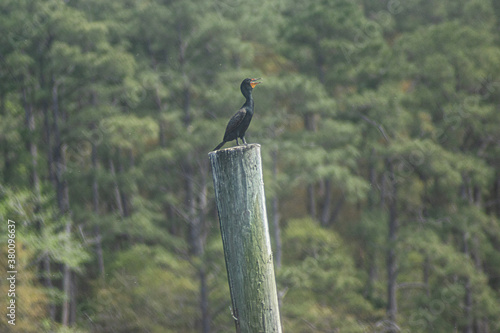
[{"x": 253, "y": 82}]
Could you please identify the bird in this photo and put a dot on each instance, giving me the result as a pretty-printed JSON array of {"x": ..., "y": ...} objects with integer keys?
[{"x": 239, "y": 122}]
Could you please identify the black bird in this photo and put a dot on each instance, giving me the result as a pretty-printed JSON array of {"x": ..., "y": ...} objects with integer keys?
[{"x": 238, "y": 124}]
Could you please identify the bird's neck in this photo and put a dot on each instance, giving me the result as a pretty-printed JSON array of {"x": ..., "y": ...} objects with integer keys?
[{"x": 249, "y": 101}]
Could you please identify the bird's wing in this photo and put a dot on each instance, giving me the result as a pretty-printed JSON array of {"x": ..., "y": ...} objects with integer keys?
[{"x": 235, "y": 120}]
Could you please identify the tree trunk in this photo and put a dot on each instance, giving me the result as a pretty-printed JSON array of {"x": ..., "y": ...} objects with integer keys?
[
  {"x": 62, "y": 193},
  {"x": 327, "y": 204},
  {"x": 337, "y": 209},
  {"x": 32, "y": 148},
  {"x": 277, "y": 230},
  {"x": 67, "y": 283},
  {"x": 73, "y": 304},
  {"x": 311, "y": 201},
  {"x": 426, "y": 273},
  {"x": 95, "y": 208},
  {"x": 372, "y": 180},
  {"x": 59, "y": 163},
  {"x": 204, "y": 306},
  {"x": 371, "y": 248},
  {"x": 468, "y": 308},
  {"x": 310, "y": 125},
  {"x": 5, "y": 151},
  {"x": 47, "y": 282},
  {"x": 161, "y": 126},
  {"x": 391, "y": 246},
  {"x": 468, "y": 301},
  {"x": 118, "y": 197},
  {"x": 372, "y": 274},
  {"x": 496, "y": 197},
  {"x": 202, "y": 212},
  {"x": 276, "y": 213},
  {"x": 123, "y": 195},
  {"x": 467, "y": 296}
]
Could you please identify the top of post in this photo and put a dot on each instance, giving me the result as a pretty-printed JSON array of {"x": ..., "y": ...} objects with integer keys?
[{"x": 235, "y": 149}]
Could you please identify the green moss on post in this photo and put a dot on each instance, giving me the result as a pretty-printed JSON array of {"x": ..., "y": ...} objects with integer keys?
[{"x": 239, "y": 193}]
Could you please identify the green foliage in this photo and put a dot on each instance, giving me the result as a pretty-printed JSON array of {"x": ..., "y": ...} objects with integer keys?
[
  {"x": 145, "y": 285},
  {"x": 315, "y": 259}
]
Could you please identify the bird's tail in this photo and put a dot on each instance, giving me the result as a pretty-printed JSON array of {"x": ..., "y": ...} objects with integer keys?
[{"x": 220, "y": 145}]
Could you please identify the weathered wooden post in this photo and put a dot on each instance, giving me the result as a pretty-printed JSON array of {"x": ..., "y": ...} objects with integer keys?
[{"x": 239, "y": 193}]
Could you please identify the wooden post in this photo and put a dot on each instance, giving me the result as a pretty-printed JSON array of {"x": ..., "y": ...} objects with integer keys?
[{"x": 239, "y": 193}]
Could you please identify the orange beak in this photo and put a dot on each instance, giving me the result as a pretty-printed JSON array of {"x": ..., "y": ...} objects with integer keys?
[{"x": 253, "y": 83}]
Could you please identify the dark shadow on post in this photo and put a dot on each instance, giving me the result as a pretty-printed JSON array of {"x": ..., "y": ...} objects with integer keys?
[{"x": 239, "y": 194}]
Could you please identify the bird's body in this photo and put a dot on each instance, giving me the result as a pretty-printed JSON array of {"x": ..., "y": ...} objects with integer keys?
[{"x": 239, "y": 122}]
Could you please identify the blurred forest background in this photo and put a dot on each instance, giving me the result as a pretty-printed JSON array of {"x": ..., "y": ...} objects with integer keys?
[{"x": 380, "y": 130}]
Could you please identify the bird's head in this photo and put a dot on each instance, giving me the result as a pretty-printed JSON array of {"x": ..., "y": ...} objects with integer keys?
[
  {"x": 254, "y": 82},
  {"x": 250, "y": 83}
]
